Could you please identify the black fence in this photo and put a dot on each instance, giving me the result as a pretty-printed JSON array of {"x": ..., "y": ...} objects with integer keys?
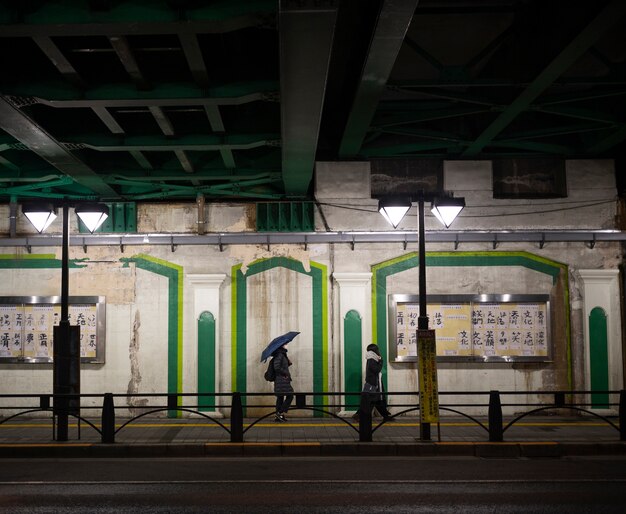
[{"x": 494, "y": 401}]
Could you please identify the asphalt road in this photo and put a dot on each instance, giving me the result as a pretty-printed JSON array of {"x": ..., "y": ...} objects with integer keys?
[{"x": 306, "y": 485}]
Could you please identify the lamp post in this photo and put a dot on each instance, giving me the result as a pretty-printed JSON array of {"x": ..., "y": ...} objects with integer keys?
[
  {"x": 446, "y": 209},
  {"x": 66, "y": 338}
]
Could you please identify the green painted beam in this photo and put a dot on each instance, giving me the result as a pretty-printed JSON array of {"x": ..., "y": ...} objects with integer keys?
[
  {"x": 21, "y": 127},
  {"x": 382, "y": 121},
  {"x": 423, "y": 133},
  {"x": 391, "y": 27},
  {"x": 131, "y": 18},
  {"x": 306, "y": 34},
  {"x": 610, "y": 15},
  {"x": 608, "y": 142},
  {"x": 163, "y": 143},
  {"x": 412, "y": 148},
  {"x": 578, "y": 113},
  {"x": 534, "y": 146},
  {"x": 60, "y": 94},
  {"x": 551, "y": 132}
]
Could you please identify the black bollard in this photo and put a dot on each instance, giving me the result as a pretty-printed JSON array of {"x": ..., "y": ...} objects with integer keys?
[
  {"x": 622, "y": 415},
  {"x": 495, "y": 417},
  {"x": 365, "y": 419},
  {"x": 236, "y": 419},
  {"x": 108, "y": 419}
]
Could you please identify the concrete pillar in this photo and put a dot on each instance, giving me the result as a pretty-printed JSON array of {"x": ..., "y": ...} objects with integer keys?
[
  {"x": 206, "y": 297},
  {"x": 354, "y": 294},
  {"x": 601, "y": 289}
]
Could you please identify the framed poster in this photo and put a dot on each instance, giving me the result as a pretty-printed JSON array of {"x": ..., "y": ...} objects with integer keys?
[
  {"x": 480, "y": 328},
  {"x": 26, "y": 326}
]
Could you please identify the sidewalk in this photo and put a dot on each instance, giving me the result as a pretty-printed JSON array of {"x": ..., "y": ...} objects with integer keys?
[{"x": 160, "y": 437}]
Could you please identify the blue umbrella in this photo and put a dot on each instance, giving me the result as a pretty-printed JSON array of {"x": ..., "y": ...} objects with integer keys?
[{"x": 277, "y": 343}]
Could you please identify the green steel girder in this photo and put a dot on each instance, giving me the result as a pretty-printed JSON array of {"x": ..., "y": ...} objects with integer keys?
[
  {"x": 391, "y": 27},
  {"x": 60, "y": 94},
  {"x": 264, "y": 178},
  {"x": 306, "y": 31},
  {"x": 584, "y": 96},
  {"x": 423, "y": 133},
  {"x": 25, "y": 130},
  {"x": 608, "y": 141},
  {"x": 578, "y": 113},
  {"x": 612, "y": 13},
  {"x": 430, "y": 59},
  {"x": 550, "y": 132},
  {"x": 534, "y": 146},
  {"x": 167, "y": 144},
  {"x": 443, "y": 94},
  {"x": 77, "y": 19},
  {"x": 40, "y": 185},
  {"x": 222, "y": 190},
  {"x": 407, "y": 117},
  {"x": 412, "y": 148}
]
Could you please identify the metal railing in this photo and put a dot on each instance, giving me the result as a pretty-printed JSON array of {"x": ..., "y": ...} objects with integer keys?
[{"x": 365, "y": 428}]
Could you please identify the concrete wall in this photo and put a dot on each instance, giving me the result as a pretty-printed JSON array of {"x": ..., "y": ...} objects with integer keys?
[{"x": 302, "y": 295}]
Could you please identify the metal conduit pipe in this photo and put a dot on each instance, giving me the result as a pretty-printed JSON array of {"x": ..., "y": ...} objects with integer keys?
[{"x": 542, "y": 238}]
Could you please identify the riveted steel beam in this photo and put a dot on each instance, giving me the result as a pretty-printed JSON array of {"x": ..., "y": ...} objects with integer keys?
[
  {"x": 610, "y": 15},
  {"x": 306, "y": 31},
  {"x": 391, "y": 27},
  {"x": 21, "y": 127},
  {"x": 59, "y": 60}
]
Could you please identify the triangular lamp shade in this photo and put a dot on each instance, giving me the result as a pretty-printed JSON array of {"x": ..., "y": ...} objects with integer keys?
[
  {"x": 40, "y": 215},
  {"x": 393, "y": 210},
  {"x": 92, "y": 215},
  {"x": 447, "y": 209}
]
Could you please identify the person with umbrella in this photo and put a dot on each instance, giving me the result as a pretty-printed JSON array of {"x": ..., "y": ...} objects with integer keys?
[{"x": 282, "y": 381}]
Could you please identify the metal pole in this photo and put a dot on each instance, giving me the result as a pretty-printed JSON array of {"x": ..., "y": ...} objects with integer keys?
[
  {"x": 422, "y": 320},
  {"x": 64, "y": 329}
]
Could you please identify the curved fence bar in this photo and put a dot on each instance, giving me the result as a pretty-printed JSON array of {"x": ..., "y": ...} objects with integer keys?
[
  {"x": 173, "y": 403},
  {"x": 570, "y": 407},
  {"x": 478, "y": 422}
]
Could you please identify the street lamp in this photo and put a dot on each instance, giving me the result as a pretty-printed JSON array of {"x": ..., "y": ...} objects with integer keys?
[
  {"x": 445, "y": 208},
  {"x": 66, "y": 339}
]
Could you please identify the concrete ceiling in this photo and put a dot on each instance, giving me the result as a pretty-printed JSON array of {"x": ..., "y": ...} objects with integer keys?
[{"x": 144, "y": 101}]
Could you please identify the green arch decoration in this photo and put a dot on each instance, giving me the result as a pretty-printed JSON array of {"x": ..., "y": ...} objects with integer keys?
[
  {"x": 174, "y": 274},
  {"x": 382, "y": 270},
  {"x": 318, "y": 274},
  {"x": 598, "y": 357},
  {"x": 206, "y": 359},
  {"x": 352, "y": 357}
]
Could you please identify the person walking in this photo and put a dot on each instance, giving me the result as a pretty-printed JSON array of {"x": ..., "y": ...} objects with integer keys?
[
  {"x": 282, "y": 383},
  {"x": 374, "y": 382}
]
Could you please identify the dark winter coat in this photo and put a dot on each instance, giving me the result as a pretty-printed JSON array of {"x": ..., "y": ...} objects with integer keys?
[
  {"x": 372, "y": 369},
  {"x": 282, "y": 382}
]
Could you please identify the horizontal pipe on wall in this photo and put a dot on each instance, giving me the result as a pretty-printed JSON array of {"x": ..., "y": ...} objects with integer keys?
[{"x": 589, "y": 237}]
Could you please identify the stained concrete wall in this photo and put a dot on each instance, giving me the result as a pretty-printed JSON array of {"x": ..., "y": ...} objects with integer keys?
[{"x": 138, "y": 300}]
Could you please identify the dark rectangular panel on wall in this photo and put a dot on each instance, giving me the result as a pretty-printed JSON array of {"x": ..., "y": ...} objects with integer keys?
[
  {"x": 405, "y": 176},
  {"x": 529, "y": 178},
  {"x": 285, "y": 217}
]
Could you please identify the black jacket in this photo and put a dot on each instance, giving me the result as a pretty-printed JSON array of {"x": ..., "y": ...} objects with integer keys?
[{"x": 372, "y": 369}]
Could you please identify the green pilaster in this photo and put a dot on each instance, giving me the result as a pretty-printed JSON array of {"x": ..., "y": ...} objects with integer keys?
[
  {"x": 352, "y": 357},
  {"x": 206, "y": 359},
  {"x": 598, "y": 357}
]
